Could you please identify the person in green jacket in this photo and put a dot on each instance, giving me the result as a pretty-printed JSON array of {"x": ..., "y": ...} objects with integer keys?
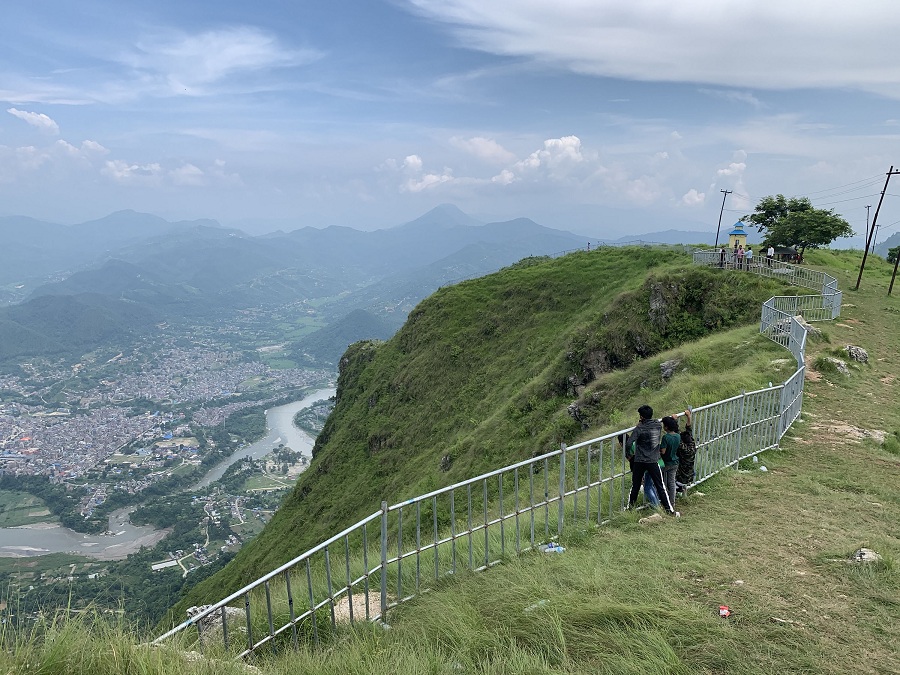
[{"x": 668, "y": 453}]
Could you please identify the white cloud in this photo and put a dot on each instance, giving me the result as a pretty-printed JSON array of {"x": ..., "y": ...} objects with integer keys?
[
  {"x": 413, "y": 163},
  {"x": 728, "y": 43},
  {"x": 733, "y": 169},
  {"x": 505, "y": 177},
  {"x": 693, "y": 198},
  {"x": 416, "y": 178},
  {"x": 744, "y": 97},
  {"x": 123, "y": 172},
  {"x": 18, "y": 163},
  {"x": 39, "y": 120},
  {"x": 428, "y": 180},
  {"x": 188, "y": 64},
  {"x": 93, "y": 147},
  {"x": 188, "y": 175},
  {"x": 557, "y": 155},
  {"x": 87, "y": 151},
  {"x": 486, "y": 149}
]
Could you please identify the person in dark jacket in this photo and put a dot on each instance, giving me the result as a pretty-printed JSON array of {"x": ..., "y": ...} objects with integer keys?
[{"x": 646, "y": 438}]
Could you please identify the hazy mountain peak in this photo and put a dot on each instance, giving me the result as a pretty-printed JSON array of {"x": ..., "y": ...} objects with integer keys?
[{"x": 443, "y": 216}]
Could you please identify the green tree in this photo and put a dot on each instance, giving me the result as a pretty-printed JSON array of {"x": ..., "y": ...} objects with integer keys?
[
  {"x": 893, "y": 253},
  {"x": 794, "y": 222}
]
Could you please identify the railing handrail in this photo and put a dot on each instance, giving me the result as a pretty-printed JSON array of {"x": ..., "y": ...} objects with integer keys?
[{"x": 773, "y": 321}]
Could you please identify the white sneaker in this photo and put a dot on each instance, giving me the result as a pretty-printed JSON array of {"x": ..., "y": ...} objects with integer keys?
[{"x": 677, "y": 514}]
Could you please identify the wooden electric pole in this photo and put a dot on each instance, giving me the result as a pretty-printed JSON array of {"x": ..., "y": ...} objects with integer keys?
[
  {"x": 725, "y": 194},
  {"x": 862, "y": 265}
]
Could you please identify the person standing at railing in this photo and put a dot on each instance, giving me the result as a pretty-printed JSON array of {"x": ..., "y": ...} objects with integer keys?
[
  {"x": 687, "y": 453},
  {"x": 770, "y": 255},
  {"x": 721, "y": 256},
  {"x": 649, "y": 491},
  {"x": 668, "y": 452},
  {"x": 740, "y": 257},
  {"x": 646, "y": 437},
  {"x": 749, "y": 256}
]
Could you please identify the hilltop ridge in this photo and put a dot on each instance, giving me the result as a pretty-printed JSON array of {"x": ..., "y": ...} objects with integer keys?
[
  {"x": 774, "y": 546},
  {"x": 493, "y": 370}
]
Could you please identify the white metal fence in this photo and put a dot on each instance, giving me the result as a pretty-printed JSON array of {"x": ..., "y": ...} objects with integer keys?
[{"x": 400, "y": 550}]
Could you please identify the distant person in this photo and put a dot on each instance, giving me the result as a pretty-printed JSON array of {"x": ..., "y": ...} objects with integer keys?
[
  {"x": 646, "y": 438},
  {"x": 734, "y": 254},
  {"x": 740, "y": 258},
  {"x": 770, "y": 255},
  {"x": 687, "y": 454},
  {"x": 668, "y": 452},
  {"x": 749, "y": 256},
  {"x": 721, "y": 256}
]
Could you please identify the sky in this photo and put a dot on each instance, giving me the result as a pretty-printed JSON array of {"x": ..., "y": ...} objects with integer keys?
[{"x": 596, "y": 116}]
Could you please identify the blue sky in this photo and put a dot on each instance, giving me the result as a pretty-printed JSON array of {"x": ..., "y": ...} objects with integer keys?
[{"x": 598, "y": 116}]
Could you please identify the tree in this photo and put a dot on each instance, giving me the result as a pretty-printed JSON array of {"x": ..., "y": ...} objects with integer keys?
[
  {"x": 893, "y": 253},
  {"x": 794, "y": 222}
]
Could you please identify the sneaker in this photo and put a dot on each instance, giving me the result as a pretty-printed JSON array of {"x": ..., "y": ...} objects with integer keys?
[{"x": 677, "y": 514}]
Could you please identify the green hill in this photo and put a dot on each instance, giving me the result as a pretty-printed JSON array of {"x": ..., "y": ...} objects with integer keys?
[
  {"x": 774, "y": 546},
  {"x": 328, "y": 344},
  {"x": 70, "y": 325},
  {"x": 501, "y": 368}
]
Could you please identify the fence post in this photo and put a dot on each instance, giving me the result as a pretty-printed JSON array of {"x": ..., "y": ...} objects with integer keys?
[
  {"x": 737, "y": 450},
  {"x": 562, "y": 488},
  {"x": 384, "y": 543}
]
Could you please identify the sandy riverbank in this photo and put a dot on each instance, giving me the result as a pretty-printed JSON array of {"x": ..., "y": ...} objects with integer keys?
[{"x": 36, "y": 526}]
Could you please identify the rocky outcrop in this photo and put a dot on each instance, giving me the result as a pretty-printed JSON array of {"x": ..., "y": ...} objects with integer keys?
[
  {"x": 857, "y": 354},
  {"x": 839, "y": 365},
  {"x": 667, "y": 368},
  {"x": 210, "y": 626}
]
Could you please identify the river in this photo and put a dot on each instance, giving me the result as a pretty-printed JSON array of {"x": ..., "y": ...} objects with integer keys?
[
  {"x": 44, "y": 538},
  {"x": 279, "y": 429}
]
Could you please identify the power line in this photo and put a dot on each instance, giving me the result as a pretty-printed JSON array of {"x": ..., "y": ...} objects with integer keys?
[
  {"x": 851, "y": 199},
  {"x": 846, "y": 192},
  {"x": 875, "y": 179}
]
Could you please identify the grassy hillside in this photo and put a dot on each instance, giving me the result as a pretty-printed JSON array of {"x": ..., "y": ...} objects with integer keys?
[
  {"x": 329, "y": 343},
  {"x": 773, "y": 546},
  {"x": 486, "y": 372},
  {"x": 70, "y": 325}
]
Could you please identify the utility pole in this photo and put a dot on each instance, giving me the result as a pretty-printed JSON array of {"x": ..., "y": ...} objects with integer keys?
[
  {"x": 862, "y": 265},
  {"x": 725, "y": 194},
  {"x": 894, "y": 275}
]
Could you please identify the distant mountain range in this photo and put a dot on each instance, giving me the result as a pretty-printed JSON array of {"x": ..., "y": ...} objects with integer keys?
[
  {"x": 127, "y": 271},
  {"x": 889, "y": 243}
]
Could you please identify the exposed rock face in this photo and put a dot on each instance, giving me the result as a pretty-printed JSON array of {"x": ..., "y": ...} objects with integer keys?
[
  {"x": 858, "y": 354},
  {"x": 577, "y": 414},
  {"x": 211, "y": 626},
  {"x": 865, "y": 555},
  {"x": 840, "y": 365},
  {"x": 667, "y": 368},
  {"x": 595, "y": 363},
  {"x": 814, "y": 331}
]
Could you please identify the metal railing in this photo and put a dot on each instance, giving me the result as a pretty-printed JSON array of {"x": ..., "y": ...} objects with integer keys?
[{"x": 403, "y": 549}]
